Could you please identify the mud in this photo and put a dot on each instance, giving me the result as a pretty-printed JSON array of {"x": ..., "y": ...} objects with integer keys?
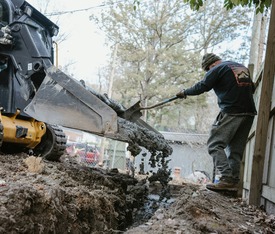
[
  {"x": 63, "y": 197},
  {"x": 158, "y": 148},
  {"x": 38, "y": 196},
  {"x": 143, "y": 137}
]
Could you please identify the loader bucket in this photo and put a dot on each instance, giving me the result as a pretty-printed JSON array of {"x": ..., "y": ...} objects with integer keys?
[{"x": 62, "y": 100}]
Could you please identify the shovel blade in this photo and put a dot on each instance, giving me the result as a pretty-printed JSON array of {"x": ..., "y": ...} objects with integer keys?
[
  {"x": 64, "y": 101},
  {"x": 133, "y": 113}
]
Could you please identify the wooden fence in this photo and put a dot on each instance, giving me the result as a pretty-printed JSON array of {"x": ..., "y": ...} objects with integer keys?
[{"x": 259, "y": 160}]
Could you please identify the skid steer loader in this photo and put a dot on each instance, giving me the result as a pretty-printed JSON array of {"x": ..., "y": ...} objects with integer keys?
[{"x": 36, "y": 97}]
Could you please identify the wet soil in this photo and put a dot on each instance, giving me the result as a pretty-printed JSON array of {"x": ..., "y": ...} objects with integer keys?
[{"x": 38, "y": 196}]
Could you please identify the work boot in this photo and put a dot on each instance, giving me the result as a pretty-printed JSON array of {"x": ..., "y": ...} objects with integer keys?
[{"x": 223, "y": 185}]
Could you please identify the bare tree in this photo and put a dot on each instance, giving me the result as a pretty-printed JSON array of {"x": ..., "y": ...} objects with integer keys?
[{"x": 160, "y": 45}]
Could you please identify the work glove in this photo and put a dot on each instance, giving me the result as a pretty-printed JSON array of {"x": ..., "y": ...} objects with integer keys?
[
  {"x": 5, "y": 36},
  {"x": 181, "y": 94}
]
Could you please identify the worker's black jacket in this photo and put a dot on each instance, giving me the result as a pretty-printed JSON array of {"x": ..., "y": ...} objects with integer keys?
[{"x": 233, "y": 86}]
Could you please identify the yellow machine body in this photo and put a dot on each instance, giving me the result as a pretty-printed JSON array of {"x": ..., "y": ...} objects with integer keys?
[{"x": 24, "y": 132}]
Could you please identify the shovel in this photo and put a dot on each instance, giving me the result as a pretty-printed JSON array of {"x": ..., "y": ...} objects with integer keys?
[{"x": 134, "y": 112}]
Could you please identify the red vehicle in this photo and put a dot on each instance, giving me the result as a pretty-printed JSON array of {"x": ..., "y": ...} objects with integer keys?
[{"x": 87, "y": 153}]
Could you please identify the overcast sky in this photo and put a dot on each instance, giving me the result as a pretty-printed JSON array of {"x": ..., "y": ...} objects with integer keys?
[{"x": 84, "y": 46}]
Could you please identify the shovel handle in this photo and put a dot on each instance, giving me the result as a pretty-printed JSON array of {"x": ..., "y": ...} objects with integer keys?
[{"x": 160, "y": 104}]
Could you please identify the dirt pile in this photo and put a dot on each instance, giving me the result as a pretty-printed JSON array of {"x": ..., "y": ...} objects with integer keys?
[
  {"x": 198, "y": 210},
  {"x": 65, "y": 197}
]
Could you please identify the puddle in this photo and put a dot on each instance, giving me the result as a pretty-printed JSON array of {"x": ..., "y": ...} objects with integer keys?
[{"x": 149, "y": 208}]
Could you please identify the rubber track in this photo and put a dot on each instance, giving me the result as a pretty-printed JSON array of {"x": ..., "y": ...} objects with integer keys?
[{"x": 59, "y": 145}]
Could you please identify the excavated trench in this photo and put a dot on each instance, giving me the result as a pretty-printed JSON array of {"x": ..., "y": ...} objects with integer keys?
[
  {"x": 153, "y": 201},
  {"x": 158, "y": 192}
]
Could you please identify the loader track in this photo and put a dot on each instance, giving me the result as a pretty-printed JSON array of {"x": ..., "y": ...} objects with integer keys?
[{"x": 53, "y": 144}]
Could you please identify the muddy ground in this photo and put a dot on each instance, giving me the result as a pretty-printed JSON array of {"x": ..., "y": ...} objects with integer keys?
[{"x": 66, "y": 197}]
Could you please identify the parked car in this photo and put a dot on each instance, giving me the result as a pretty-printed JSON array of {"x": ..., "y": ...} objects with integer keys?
[{"x": 87, "y": 153}]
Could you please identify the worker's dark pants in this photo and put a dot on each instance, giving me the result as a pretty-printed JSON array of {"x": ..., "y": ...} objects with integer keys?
[{"x": 227, "y": 142}]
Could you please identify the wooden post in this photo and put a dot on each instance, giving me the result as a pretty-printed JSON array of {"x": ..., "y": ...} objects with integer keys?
[{"x": 263, "y": 115}]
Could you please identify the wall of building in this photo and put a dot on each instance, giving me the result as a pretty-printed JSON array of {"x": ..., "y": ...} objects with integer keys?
[{"x": 189, "y": 154}]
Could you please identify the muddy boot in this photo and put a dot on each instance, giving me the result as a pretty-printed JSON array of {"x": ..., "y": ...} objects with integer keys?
[{"x": 223, "y": 185}]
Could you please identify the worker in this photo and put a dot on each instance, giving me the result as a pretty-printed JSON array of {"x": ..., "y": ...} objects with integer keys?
[{"x": 234, "y": 89}]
